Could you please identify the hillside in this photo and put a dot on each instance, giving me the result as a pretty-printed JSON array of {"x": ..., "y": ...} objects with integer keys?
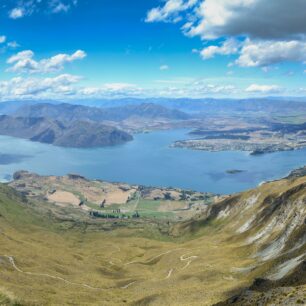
[
  {"x": 72, "y": 112},
  {"x": 251, "y": 245},
  {"x": 269, "y": 223},
  {"x": 79, "y": 134}
]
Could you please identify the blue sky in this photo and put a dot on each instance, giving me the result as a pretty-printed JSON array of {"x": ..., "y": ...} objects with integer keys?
[{"x": 150, "y": 48}]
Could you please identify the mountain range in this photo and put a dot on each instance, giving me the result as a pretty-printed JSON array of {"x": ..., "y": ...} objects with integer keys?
[{"x": 70, "y": 112}]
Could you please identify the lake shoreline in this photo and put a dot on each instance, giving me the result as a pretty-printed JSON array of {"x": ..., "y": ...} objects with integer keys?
[{"x": 149, "y": 161}]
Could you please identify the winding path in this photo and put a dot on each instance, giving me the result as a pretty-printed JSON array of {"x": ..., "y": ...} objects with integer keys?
[
  {"x": 13, "y": 263},
  {"x": 189, "y": 260},
  {"x": 182, "y": 258}
]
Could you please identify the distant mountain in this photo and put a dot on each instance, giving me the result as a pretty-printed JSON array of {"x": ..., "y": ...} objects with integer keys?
[
  {"x": 175, "y": 109},
  {"x": 229, "y": 106},
  {"x": 79, "y": 134},
  {"x": 70, "y": 112}
]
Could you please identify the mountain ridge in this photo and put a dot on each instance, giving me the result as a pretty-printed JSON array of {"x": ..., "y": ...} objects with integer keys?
[
  {"x": 79, "y": 134},
  {"x": 71, "y": 112}
]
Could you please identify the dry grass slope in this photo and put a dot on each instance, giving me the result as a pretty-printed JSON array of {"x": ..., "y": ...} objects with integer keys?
[{"x": 257, "y": 234}]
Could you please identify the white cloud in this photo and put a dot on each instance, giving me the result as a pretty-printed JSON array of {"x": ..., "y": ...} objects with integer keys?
[
  {"x": 20, "y": 56},
  {"x": 259, "y": 53},
  {"x": 164, "y": 67},
  {"x": 66, "y": 86},
  {"x": 263, "y": 89},
  {"x": 265, "y": 53},
  {"x": 170, "y": 11},
  {"x": 270, "y": 32},
  {"x": 254, "y": 18},
  {"x": 23, "y": 62},
  {"x": 2, "y": 39},
  {"x": 16, "y": 13},
  {"x": 22, "y": 88},
  {"x": 230, "y": 46}
]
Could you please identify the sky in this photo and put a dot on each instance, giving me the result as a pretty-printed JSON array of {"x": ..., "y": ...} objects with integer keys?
[{"x": 87, "y": 49}]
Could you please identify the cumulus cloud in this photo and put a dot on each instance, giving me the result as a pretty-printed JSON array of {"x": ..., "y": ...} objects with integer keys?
[
  {"x": 254, "y": 18},
  {"x": 270, "y": 32},
  {"x": 20, "y": 87},
  {"x": 67, "y": 86},
  {"x": 23, "y": 62},
  {"x": 62, "y": 87},
  {"x": 230, "y": 46},
  {"x": 265, "y": 53},
  {"x": 263, "y": 89}
]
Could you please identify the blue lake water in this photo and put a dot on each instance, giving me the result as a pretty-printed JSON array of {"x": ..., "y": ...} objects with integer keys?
[{"x": 149, "y": 160}]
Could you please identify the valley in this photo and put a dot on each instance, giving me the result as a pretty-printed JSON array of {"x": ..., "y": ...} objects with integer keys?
[
  {"x": 55, "y": 254},
  {"x": 152, "y": 153},
  {"x": 106, "y": 200},
  {"x": 69, "y": 239}
]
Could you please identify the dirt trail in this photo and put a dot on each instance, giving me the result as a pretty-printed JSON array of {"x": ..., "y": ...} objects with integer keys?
[
  {"x": 182, "y": 258},
  {"x": 12, "y": 262},
  {"x": 189, "y": 260},
  {"x": 128, "y": 285},
  {"x": 169, "y": 273}
]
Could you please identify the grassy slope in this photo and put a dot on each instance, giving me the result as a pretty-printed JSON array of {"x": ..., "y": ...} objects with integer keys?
[{"x": 129, "y": 265}]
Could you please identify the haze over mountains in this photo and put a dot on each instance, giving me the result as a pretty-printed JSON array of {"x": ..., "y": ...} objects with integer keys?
[
  {"x": 206, "y": 105},
  {"x": 77, "y": 112}
]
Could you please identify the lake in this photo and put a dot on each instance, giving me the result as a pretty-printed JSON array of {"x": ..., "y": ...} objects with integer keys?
[{"x": 148, "y": 160}]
